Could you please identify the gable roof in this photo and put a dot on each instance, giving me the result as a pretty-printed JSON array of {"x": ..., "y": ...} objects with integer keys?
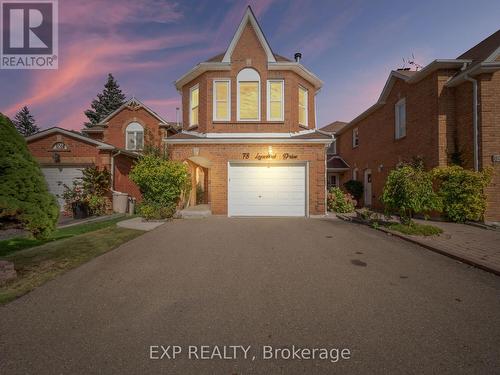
[
  {"x": 333, "y": 127},
  {"x": 73, "y": 134},
  {"x": 249, "y": 17},
  {"x": 222, "y": 61},
  {"x": 132, "y": 103},
  {"x": 487, "y": 50}
]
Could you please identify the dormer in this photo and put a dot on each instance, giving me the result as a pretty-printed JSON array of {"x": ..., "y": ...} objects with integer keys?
[{"x": 248, "y": 88}]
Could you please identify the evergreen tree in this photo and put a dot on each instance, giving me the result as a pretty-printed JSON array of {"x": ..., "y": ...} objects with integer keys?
[
  {"x": 24, "y": 197},
  {"x": 25, "y": 123},
  {"x": 106, "y": 102}
]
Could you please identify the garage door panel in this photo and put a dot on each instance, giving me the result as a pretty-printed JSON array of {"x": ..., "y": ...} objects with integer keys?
[
  {"x": 57, "y": 177},
  {"x": 267, "y": 190}
]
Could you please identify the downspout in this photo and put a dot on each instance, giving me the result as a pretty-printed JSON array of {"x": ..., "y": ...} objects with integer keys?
[
  {"x": 113, "y": 169},
  {"x": 474, "y": 121}
]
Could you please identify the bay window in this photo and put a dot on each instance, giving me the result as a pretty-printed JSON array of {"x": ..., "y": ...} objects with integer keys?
[
  {"x": 275, "y": 100},
  {"x": 303, "y": 106},
  {"x": 222, "y": 100},
  {"x": 248, "y": 95},
  {"x": 194, "y": 101}
]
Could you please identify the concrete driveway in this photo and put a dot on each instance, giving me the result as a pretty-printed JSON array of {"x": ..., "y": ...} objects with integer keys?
[{"x": 398, "y": 308}]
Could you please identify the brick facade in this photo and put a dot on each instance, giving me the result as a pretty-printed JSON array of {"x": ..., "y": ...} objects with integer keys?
[
  {"x": 438, "y": 128},
  {"x": 220, "y": 154}
]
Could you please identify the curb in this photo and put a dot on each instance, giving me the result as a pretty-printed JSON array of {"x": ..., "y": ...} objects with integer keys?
[{"x": 470, "y": 262}]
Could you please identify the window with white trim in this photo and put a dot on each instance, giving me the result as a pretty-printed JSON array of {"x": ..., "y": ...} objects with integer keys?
[
  {"x": 134, "y": 135},
  {"x": 194, "y": 102},
  {"x": 248, "y": 95},
  {"x": 355, "y": 137},
  {"x": 275, "y": 100},
  {"x": 400, "y": 118},
  {"x": 222, "y": 100},
  {"x": 303, "y": 101}
]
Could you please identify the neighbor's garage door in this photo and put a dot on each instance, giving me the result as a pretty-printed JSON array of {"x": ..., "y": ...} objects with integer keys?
[
  {"x": 57, "y": 177},
  {"x": 267, "y": 190}
]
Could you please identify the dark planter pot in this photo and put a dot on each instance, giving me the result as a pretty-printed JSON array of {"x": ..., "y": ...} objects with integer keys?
[{"x": 80, "y": 210}]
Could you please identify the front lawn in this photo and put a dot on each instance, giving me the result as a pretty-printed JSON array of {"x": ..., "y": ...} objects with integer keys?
[
  {"x": 19, "y": 243},
  {"x": 416, "y": 229},
  {"x": 39, "y": 264}
]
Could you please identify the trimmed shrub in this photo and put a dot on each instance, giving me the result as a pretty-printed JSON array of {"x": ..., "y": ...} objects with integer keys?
[
  {"x": 340, "y": 202},
  {"x": 155, "y": 211},
  {"x": 24, "y": 197},
  {"x": 355, "y": 188},
  {"x": 408, "y": 191},
  {"x": 161, "y": 182},
  {"x": 462, "y": 192}
]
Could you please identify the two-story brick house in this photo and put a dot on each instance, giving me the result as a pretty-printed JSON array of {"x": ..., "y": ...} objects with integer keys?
[
  {"x": 447, "y": 112},
  {"x": 249, "y": 132},
  {"x": 114, "y": 144}
]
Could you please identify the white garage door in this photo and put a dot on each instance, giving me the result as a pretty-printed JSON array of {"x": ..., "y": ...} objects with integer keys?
[
  {"x": 56, "y": 177},
  {"x": 267, "y": 190}
]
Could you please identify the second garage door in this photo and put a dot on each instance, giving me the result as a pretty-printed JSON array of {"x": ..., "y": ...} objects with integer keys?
[
  {"x": 266, "y": 190},
  {"x": 57, "y": 177}
]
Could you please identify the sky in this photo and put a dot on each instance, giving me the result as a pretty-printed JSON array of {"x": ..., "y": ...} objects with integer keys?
[{"x": 147, "y": 44}]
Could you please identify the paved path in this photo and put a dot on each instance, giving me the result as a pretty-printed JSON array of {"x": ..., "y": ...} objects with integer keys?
[{"x": 399, "y": 308}]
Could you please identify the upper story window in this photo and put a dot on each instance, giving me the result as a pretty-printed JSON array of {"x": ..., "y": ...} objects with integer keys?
[
  {"x": 303, "y": 106},
  {"x": 400, "y": 118},
  {"x": 194, "y": 102},
  {"x": 135, "y": 136},
  {"x": 248, "y": 95},
  {"x": 355, "y": 137},
  {"x": 222, "y": 100},
  {"x": 275, "y": 100}
]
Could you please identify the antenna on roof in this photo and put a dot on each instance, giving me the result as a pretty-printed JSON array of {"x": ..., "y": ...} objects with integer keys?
[{"x": 412, "y": 64}]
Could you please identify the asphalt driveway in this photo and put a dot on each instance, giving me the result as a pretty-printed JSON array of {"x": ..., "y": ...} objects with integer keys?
[{"x": 398, "y": 308}]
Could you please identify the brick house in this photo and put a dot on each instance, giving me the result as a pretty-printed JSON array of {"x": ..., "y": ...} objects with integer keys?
[
  {"x": 249, "y": 134},
  {"x": 335, "y": 165},
  {"x": 113, "y": 144},
  {"x": 448, "y": 111}
]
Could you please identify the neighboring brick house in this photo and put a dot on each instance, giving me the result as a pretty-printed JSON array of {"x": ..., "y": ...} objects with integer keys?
[
  {"x": 249, "y": 133},
  {"x": 448, "y": 111},
  {"x": 113, "y": 144},
  {"x": 335, "y": 165}
]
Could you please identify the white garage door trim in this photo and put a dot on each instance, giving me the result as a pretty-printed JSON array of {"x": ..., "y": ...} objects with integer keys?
[{"x": 237, "y": 212}]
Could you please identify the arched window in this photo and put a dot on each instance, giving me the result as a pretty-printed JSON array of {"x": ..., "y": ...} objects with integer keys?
[
  {"x": 135, "y": 136},
  {"x": 248, "y": 93}
]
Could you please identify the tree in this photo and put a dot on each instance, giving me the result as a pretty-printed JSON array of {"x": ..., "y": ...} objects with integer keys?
[
  {"x": 106, "y": 102},
  {"x": 24, "y": 197},
  {"x": 408, "y": 191},
  {"x": 25, "y": 122}
]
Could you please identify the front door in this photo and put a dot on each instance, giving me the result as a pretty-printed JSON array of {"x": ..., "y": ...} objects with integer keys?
[{"x": 368, "y": 187}]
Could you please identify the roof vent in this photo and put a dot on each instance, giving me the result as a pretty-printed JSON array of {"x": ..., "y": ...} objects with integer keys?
[{"x": 297, "y": 56}]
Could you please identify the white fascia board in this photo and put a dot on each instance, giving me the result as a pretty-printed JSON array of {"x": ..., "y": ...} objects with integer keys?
[
  {"x": 43, "y": 133},
  {"x": 484, "y": 67},
  {"x": 247, "y": 140},
  {"x": 493, "y": 56},
  {"x": 299, "y": 69},
  {"x": 199, "y": 69},
  {"x": 438, "y": 64}
]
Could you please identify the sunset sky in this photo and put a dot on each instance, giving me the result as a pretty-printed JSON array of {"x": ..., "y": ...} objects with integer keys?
[{"x": 148, "y": 44}]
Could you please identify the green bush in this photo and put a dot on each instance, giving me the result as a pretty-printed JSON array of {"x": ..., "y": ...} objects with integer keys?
[
  {"x": 338, "y": 201},
  {"x": 24, "y": 197},
  {"x": 155, "y": 211},
  {"x": 161, "y": 182},
  {"x": 355, "y": 188},
  {"x": 407, "y": 191},
  {"x": 462, "y": 192}
]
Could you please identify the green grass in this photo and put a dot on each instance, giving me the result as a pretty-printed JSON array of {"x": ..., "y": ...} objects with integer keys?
[
  {"x": 19, "y": 243},
  {"x": 416, "y": 229},
  {"x": 40, "y": 264}
]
